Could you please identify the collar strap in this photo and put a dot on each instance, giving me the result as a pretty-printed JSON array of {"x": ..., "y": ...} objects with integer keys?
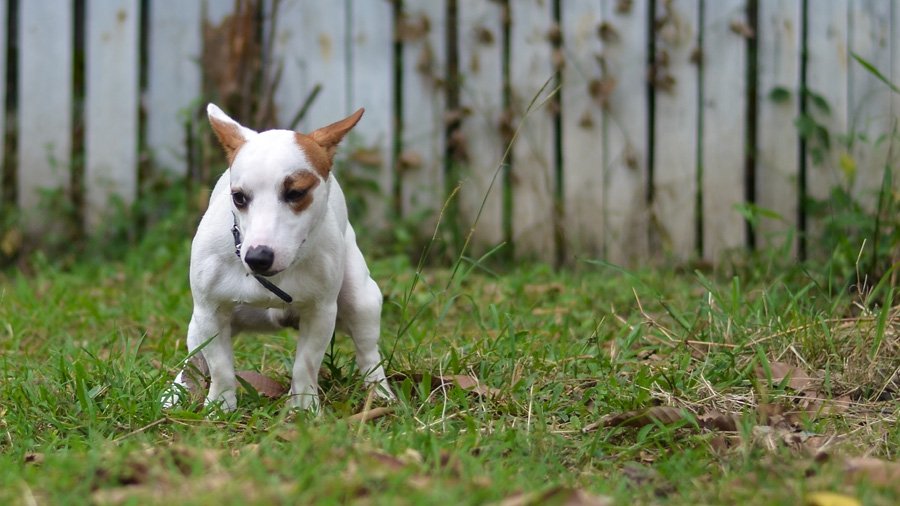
[{"x": 268, "y": 285}]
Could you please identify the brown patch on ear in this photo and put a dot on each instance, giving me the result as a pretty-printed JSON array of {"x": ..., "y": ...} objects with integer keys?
[
  {"x": 316, "y": 155},
  {"x": 300, "y": 181},
  {"x": 329, "y": 136},
  {"x": 229, "y": 136}
]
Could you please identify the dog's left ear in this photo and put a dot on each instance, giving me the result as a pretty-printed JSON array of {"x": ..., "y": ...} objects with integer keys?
[{"x": 329, "y": 136}]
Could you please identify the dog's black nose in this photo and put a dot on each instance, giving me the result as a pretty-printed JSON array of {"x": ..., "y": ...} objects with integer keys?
[{"x": 260, "y": 258}]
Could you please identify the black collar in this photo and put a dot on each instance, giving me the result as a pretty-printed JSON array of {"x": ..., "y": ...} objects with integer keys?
[{"x": 268, "y": 285}]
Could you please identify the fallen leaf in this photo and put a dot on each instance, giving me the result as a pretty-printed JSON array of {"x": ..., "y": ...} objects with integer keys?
[
  {"x": 264, "y": 385},
  {"x": 798, "y": 379},
  {"x": 557, "y": 495},
  {"x": 715, "y": 420},
  {"x": 873, "y": 470},
  {"x": 657, "y": 414},
  {"x": 830, "y": 499}
]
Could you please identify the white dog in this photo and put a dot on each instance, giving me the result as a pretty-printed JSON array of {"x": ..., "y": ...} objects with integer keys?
[{"x": 274, "y": 250}]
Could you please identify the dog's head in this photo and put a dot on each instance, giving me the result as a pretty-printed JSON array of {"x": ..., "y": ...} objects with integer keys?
[{"x": 279, "y": 186}]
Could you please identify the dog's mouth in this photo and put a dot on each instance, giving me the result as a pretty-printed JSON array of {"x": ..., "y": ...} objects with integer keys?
[{"x": 266, "y": 274}]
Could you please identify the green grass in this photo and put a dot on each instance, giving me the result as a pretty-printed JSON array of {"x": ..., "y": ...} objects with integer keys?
[{"x": 86, "y": 351}]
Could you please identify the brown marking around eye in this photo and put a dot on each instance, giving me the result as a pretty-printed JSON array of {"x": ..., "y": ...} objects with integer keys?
[
  {"x": 302, "y": 180},
  {"x": 316, "y": 154}
]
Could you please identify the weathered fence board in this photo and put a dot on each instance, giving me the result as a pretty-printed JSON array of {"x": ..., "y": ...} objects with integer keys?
[
  {"x": 4, "y": 39},
  {"x": 310, "y": 48},
  {"x": 895, "y": 79},
  {"x": 481, "y": 84},
  {"x": 45, "y": 102},
  {"x": 625, "y": 132},
  {"x": 826, "y": 79},
  {"x": 421, "y": 164},
  {"x": 582, "y": 128},
  {"x": 111, "y": 105},
  {"x": 675, "y": 79},
  {"x": 870, "y": 99},
  {"x": 173, "y": 80},
  {"x": 371, "y": 86},
  {"x": 777, "y": 149},
  {"x": 724, "y": 106},
  {"x": 533, "y": 175}
]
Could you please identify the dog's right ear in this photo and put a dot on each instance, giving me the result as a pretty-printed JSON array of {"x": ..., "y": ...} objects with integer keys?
[{"x": 231, "y": 134}]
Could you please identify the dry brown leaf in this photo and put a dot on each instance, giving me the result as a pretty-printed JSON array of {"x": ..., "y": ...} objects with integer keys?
[
  {"x": 873, "y": 470},
  {"x": 798, "y": 379},
  {"x": 557, "y": 495},
  {"x": 662, "y": 414},
  {"x": 714, "y": 420},
  {"x": 469, "y": 384},
  {"x": 264, "y": 385},
  {"x": 371, "y": 414}
]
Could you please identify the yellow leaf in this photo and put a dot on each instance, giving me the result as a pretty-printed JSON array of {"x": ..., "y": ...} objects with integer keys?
[
  {"x": 830, "y": 499},
  {"x": 848, "y": 165}
]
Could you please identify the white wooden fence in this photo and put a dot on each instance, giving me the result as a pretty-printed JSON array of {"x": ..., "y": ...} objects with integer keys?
[{"x": 666, "y": 114}]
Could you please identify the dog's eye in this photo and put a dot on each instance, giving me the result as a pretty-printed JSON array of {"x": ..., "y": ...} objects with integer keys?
[
  {"x": 240, "y": 199},
  {"x": 295, "y": 195}
]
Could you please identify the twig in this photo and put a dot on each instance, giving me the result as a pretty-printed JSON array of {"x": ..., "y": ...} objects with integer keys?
[
  {"x": 307, "y": 103},
  {"x": 142, "y": 429},
  {"x": 371, "y": 414}
]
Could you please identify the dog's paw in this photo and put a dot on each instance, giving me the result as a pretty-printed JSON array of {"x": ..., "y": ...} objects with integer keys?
[
  {"x": 225, "y": 401},
  {"x": 382, "y": 389},
  {"x": 306, "y": 399},
  {"x": 172, "y": 396}
]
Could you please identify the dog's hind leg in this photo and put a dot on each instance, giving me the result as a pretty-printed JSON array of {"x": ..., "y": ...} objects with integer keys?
[
  {"x": 359, "y": 311},
  {"x": 249, "y": 318}
]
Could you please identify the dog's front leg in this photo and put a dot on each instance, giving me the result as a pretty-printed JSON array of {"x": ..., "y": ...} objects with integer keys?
[
  {"x": 214, "y": 324},
  {"x": 316, "y": 328}
]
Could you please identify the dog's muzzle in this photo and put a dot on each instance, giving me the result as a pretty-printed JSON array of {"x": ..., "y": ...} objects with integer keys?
[{"x": 268, "y": 285}]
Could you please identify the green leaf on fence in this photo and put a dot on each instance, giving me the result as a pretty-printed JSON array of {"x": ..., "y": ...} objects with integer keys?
[
  {"x": 875, "y": 72},
  {"x": 780, "y": 95}
]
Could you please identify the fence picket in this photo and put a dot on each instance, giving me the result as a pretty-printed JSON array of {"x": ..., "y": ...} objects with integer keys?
[
  {"x": 582, "y": 128},
  {"x": 777, "y": 166},
  {"x": 4, "y": 40},
  {"x": 481, "y": 82},
  {"x": 870, "y": 99},
  {"x": 420, "y": 165},
  {"x": 111, "y": 105},
  {"x": 310, "y": 45},
  {"x": 45, "y": 102},
  {"x": 895, "y": 79},
  {"x": 371, "y": 86},
  {"x": 533, "y": 164},
  {"x": 826, "y": 77},
  {"x": 724, "y": 126},
  {"x": 675, "y": 128},
  {"x": 625, "y": 132},
  {"x": 173, "y": 80}
]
